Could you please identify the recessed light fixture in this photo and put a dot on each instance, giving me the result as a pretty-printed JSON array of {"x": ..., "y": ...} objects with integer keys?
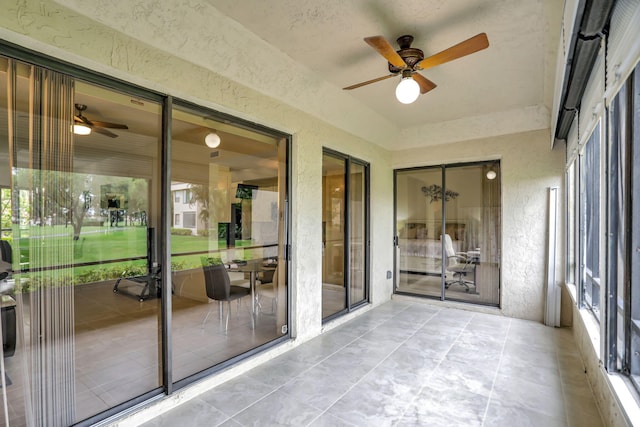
[
  {"x": 212, "y": 140},
  {"x": 81, "y": 129}
]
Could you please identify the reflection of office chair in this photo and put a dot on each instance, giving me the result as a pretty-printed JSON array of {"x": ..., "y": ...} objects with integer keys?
[
  {"x": 459, "y": 264},
  {"x": 7, "y": 302},
  {"x": 269, "y": 289},
  {"x": 219, "y": 288}
]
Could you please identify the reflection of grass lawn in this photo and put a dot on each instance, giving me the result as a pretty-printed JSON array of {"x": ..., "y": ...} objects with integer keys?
[{"x": 102, "y": 244}]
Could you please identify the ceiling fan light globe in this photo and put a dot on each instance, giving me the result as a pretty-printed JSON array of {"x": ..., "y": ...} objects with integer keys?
[
  {"x": 407, "y": 90},
  {"x": 81, "y": 129},
  {"x": 212, "y": 140}
]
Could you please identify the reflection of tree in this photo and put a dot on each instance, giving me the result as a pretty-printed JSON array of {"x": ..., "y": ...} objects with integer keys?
[
  {"x": 200, "y": 195},
  {"x": 5, "y": 208},
  {"x": 138, "y": 195},
  {"x": 67, "y": 196},
  {"x": 55, "y": 197}
]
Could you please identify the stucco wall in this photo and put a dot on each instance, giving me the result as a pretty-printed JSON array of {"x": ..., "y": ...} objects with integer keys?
[
  {"x": 528, "y": 168},
  {"x": 49, "y": 28}
]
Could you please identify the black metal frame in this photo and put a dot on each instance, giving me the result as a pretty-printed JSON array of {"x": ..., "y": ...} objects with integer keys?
[
  {"x": 443, "y": 168},
  {"x": 347, "y": 233},
  {"x": 629, "y": 334},
  {"x": 163, "y": 244},
  {"x": 582, "y": 233}
]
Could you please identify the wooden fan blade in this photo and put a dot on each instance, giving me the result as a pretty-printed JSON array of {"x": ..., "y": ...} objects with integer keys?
[
  {"x": 82, "y": 119},
  {"x": 357, "y": 85},
  {"x": 104, "y": 132},
  {"x": 383, "y": 47},
  {"x": 464, "y": 48},
  {"x": 109, "y": 125},
  {"x": 425, "y": 84}
]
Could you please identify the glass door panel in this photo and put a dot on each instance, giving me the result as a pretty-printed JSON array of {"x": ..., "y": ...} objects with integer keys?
[
  {"x": 334, "y": 294},
  {"x": 463, "y": 262},
  {"x": 472, "y": 206},
  {"x": 227, "y": 241},
  {"x": 357, "y": 232},
  {"x": 344, "y": 233},
  {"x": 83, "y": 204},
  {"x": 419, "y": 226}
]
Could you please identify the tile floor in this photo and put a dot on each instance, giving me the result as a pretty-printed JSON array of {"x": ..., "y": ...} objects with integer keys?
[{"x": 409, "y": 364}]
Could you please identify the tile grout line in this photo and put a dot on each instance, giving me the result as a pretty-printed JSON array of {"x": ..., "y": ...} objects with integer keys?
[
  {"x": 562, "y": 387},
  {"x": 311, "y": 367},
  {"x": 435, "y": 368},
  {"x": 357, "y": 382},
  {"x": 495, "y": 376}
]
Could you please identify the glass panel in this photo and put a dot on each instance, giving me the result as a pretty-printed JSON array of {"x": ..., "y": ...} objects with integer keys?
[
  {"x": 590, "y": 223},
  {"x": 472, "y": 233},
  {"x": 634, "y": 262},
  {"x": 334, "y": 298},
  {"x": 357, "y": 232},
  {"x": 228, "y": 269},
  {"x": 419, "y": 226},
  {"x": 618, "y": 245},
  {"x": 82, "y": 208}
]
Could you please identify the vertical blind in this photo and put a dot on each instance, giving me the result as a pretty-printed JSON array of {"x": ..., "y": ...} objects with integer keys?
[{"x": 45, "y": 295}]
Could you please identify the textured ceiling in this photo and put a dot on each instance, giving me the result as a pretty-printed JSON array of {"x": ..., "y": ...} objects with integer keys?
[
  {"x": 302, "y": 52},
  {"x": 326, "y": 36}
]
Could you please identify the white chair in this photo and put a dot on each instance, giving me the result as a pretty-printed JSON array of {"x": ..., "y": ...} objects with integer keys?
[{"x": 460, "y": 265}]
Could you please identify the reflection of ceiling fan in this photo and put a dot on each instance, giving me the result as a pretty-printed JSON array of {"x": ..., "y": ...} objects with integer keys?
[
  {"x": 94, "y": 125},
  {"x": 409, "y": 61}
]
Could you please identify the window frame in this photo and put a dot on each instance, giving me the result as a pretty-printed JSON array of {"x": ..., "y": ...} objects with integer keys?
[
  {"x": 588, "y": 180},
  {"x": 623, "y": 165}
]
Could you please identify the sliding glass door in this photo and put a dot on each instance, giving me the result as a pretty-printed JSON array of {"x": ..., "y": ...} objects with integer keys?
[
  {"x": 80, "y": 307},
  {"x": 448, "y": 232},
  {"x": 228, "y": 229},
  {"x": 122, "y": 213},
  {"x": 344, "y": 233}
]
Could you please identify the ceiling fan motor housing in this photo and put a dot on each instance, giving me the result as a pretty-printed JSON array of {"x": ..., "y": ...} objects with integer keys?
[{"x": 410, "y": 55}]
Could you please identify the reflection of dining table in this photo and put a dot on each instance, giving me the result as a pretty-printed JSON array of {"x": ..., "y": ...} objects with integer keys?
[{"x": 253, "y": 267}]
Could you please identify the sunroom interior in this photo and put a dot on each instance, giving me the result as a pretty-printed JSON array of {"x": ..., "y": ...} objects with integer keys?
[{"x": 331, "y": 201}]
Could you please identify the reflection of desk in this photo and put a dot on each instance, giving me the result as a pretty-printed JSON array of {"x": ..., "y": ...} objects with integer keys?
[
  {"x": 253, "y": 267},
  {"x": 474, "y": 256}
]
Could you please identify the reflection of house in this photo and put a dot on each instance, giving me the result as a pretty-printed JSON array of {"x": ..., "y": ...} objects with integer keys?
[{"x": 186, "y": 210}]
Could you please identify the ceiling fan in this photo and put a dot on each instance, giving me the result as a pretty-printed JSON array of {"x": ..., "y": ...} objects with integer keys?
[
  {"x": 84, "y": 126},
  {"x": 409, "y": 60}
]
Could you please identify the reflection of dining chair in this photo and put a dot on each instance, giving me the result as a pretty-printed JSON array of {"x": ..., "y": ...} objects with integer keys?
[
  {"x": 459, "y": 264},
  {"x": 269, "y": 289},
  {"x": 6, "y": 256},
  {"x": 7, "y": 302},
  {"x": 219, "y": 288}
]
